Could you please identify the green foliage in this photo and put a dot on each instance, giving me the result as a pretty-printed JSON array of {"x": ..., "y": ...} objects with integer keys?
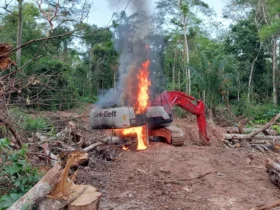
[
  {"x": 56, "y": 90},
  {"x": 271, "y": 112},
  {"x": 269, "y": 31},
  {"x": 277, "y": 128},
  {"x": 89, "y": 99},
  {"x": 260, "y": 113},
  {"x": 17, "y": 175},
  {"x": 179, "y": 112},
  {"x": 31, "y": 123}
]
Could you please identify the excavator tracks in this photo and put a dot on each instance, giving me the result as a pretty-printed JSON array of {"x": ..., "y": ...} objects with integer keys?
[
  {"x": 177, "y": 142},
  {"x": 172, "y": 134}
]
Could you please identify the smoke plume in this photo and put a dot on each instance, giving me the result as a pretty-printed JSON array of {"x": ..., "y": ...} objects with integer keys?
[{"x": 132, "y": 38}]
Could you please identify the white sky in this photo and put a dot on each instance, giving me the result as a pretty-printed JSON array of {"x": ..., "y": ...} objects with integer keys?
[{"x": 101, "y": 13}]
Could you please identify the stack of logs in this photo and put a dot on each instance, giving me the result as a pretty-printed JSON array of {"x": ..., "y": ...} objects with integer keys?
[{"x": 261, "y": 138}]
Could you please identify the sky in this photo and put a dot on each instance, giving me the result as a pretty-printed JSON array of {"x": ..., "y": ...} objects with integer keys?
[{"x": 101, "y": 12}]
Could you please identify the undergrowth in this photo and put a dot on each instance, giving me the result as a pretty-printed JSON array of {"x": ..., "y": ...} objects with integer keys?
[
  {"x": 259, "y": 113},
  {"x": 17, "y": 175},
  {"x": 31, "y": 123}
]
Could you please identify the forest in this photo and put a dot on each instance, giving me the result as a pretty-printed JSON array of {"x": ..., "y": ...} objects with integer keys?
[{"x": 53, "y": 62}]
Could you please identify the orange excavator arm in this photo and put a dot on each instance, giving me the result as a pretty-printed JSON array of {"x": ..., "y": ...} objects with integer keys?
[{"x": 168, "y": 99}]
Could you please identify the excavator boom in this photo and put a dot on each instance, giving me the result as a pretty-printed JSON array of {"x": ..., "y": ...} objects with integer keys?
[{"x": 168, "y": 99}]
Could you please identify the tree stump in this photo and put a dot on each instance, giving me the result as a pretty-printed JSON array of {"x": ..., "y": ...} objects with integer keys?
[{"x": 88, "y": 200}]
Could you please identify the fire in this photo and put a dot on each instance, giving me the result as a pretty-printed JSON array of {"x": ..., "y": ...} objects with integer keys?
[
  {"x": 125, "y": 148},
  {"x": 141, "y": 107},
  {"x": 141, "y": 133},
  {"x": 143, "y": 87}
]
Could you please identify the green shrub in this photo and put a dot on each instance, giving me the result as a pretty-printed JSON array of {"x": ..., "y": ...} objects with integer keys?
[
  {"x": 29, "y": 122},
  {"x": 277, "y": 128},
  {"x": 56, "y": 89},
  {"x": 260, "y": 113},
  {"x": 17, "y": 175},
  {"x": 179, "y": 112},
  {"x": 88, "y": 99}
]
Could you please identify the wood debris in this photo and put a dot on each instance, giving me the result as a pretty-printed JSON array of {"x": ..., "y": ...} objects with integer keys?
[
  {"x": 263, "y": 139},
  {"x": 5, "y": 61}
]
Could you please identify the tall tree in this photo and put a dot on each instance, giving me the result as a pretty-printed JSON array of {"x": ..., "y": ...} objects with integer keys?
[
  {"x": 267, "y": 18},
  {"x": 244, "y": 44},
  {"x": 183, "y": 16},
  {"x": 19, "y": 31},
  {"x": 271, "y": 29}
]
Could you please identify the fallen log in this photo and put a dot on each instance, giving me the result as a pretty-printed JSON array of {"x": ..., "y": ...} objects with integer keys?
[
  {"x": 266, "y": 126},
  {"x": 228, "y": 136},
  {"x": 235, "y": 130},
  {"x": 273, "y": 170},
  {"x": 254, "y": 133},
  {"x": 42, "y": 188}
]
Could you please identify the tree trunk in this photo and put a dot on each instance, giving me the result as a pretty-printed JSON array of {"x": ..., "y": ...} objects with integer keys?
[
  {"x": 274, "y": 72},
  {"x": 19, "y": 32},
  {"x": 90, "y": 58},
  {"x": 238, "y": 91},
  {"x": 251, "y": 76},
  {"x": 188, "y": 73},
  {"x": 204, "y": 96},
  {"x": 173, "y": 70},
  {"x": 179, "y": 79}
]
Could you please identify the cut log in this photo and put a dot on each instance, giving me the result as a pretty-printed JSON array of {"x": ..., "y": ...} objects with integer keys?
[
  {"x": 88, "y": 200},
  {"x": 228, "y": 136},
  {"x": 42, "y": 188},
  {"x": 273, "y": 170},
  {"x": 266, "y": 126},
  {"x": 54, "y": 204}
]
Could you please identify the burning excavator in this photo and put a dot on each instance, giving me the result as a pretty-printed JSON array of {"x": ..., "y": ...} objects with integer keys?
[{"x": 150, "y": 118}]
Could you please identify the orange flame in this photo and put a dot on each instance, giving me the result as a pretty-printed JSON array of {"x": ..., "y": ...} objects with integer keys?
[
  {"x": 141, "y": 107},
  {"x": 125, "y": 148},
  {"x": 143, "y": 87},
  {"x": 141, "y": 133}
]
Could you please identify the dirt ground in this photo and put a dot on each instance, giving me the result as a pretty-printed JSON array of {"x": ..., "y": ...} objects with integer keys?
[{"x": 191, "y": 177}]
